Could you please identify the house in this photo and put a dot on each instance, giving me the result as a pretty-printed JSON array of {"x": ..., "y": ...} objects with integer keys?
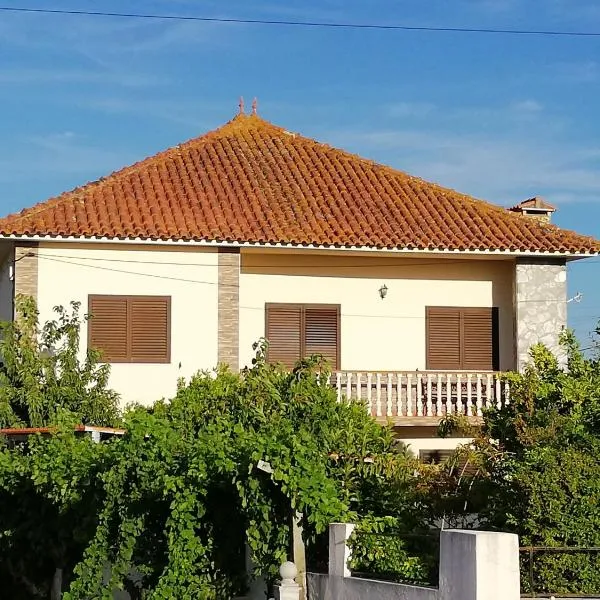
[{"x": 417, "y": 294}]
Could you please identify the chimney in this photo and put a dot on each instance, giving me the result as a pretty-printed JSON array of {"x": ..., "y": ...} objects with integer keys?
[{"x": 535, "y": 208}]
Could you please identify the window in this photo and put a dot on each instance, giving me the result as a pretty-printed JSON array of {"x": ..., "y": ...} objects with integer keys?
[
  {"x": 295, "y": 331},
  {"x": 134, "y": 329},
  {"x": 462, "y": 338},
  {"x": 459, "y": 461}
]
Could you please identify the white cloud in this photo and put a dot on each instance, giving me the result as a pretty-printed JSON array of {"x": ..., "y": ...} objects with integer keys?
[
  {"x": 102, "y": 77},
  {"x": 576, "y": 72},
  {"x": 527, "y": 106},
  {"x": 410, "y": 109},
  {"x": 58, "y": 153}
]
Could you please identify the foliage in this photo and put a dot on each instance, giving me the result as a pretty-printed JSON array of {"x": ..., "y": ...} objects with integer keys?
[
  {"x": 381, "y": 548},
  {"x": 41, "y": 375},
  {"x": 539, "y": 470},
  {"x": 170, "y": 505}
]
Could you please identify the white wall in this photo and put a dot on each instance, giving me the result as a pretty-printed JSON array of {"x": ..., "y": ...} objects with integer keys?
[
  {"x": 6, "y": 285},
  {"x": 323, "y": 587},
  {"x": 376, "y": 334},
  {"x": 417, "y": 444},
  {"x": 188, "y": 275}
]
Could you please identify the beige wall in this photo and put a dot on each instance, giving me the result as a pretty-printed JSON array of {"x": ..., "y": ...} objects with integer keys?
[
  {"x": 376, "y": 334},
  {"x": 189, "y": 276}
]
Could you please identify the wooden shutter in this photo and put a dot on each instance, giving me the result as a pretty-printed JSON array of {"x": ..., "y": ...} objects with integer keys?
[
  {"x": 480, "y": 339},
  {"x": 149, "y": 329},
  {"x": 107, "y": 327},
  {"x": 443, "y": 338},
  {"x": 131, "y": 328},
  {"x": 322, "y": 333},
  {"x": 284, "y": 333}
]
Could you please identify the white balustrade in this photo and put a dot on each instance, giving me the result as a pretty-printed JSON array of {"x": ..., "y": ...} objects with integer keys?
[{"x": 423, "y": 393}]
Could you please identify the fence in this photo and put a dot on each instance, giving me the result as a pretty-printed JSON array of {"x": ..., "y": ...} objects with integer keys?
[{"x": 563, "y": 572}]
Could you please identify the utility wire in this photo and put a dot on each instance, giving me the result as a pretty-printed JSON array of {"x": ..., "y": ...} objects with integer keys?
[
  {"x": 234, "y": 286},
  {"x": 322, "y": 24},
  {"x": 291, "y": 264}
]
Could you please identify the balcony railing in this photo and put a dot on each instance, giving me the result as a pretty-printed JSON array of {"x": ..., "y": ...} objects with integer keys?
[{"x": 423, "y": 393}]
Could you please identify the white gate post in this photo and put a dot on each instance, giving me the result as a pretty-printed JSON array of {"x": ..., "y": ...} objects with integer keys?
[
  {"x": 339, "y": 551},
  {"x": 479, "y": 565},
  {"x": 287, "y": 588}
]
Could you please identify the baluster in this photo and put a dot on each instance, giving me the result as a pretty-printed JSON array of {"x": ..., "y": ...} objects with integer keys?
[
  {"x": 498, "y": 392},
  {"x": 469, "y": 410},
  {"x": 370, "y": 392},
  {"x": 389, "y": 395},
  {"x": 440, "y": 395},
  {"x": 448, "y": 395},
  {"x": 378, "y": 392},
  {"x": 409, "y": 408},
  {"x": 459, "y": 403},
  {"x": 479, "y": 396},
  {"x": 506, "y": 393},
  {"x": 399, "y": 403},
  {"x": 429, "y": 399},
  {"x": 488, "y": 389},
  {"x": 419, "y": 395},
  {"x": 338, "y": 385},
  {"x": 349, "y": 385},
  {"x": 359, "y": 387}
]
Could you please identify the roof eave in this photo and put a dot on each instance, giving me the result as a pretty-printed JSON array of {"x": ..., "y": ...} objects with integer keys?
[{"x": 270, "y": 245}]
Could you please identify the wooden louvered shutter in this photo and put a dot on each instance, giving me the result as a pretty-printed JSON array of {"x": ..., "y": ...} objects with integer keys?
[
  {"x": 149, "y": 329},
  {"x": 443, "y": 338},
  {"x": 480, "y": 339},
  {"x": 322, "y": 333},
  {"x": 284, "y": 333},
  {"x": 107, "y": 327}
]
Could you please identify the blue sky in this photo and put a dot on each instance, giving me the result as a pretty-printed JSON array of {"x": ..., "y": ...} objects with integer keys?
[{"x": 499, "y": 117}]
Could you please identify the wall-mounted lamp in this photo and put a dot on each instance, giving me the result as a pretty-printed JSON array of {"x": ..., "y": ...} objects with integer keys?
[{"x": 383, "y": 290}]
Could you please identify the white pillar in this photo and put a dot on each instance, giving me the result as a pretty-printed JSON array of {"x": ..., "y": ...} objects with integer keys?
[
  {"x": 299, "y": 554},
  {"x": 479, "y": 565},
  {"x": 287, "y": 588},
  {"x": 339, "y": 551}
]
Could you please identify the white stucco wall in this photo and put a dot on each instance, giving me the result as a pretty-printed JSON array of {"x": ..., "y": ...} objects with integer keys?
[
  {"x": 376, "y": 334},
  {"x": 416, "y": 444},
  {"x": 189, "y": 275},
  {"x": 6, "y": 285}
]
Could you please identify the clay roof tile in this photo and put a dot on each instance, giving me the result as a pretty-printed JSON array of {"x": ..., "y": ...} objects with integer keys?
[{"x": 253, "y": 182}]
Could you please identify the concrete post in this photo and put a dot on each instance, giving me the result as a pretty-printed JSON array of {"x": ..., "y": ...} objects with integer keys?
[
  {"x": 299, "y": 554},
  {"x": 287, "y": 588},
  {"x": 339, "y": 551},
  {"x": 479, "y": 565}
]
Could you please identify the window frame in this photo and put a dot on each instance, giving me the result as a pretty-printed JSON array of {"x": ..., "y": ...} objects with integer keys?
[
  {"x": 128, "y": 297},
  {"x": 495, "y": 315},
  {"x": 303, "y": 306}
]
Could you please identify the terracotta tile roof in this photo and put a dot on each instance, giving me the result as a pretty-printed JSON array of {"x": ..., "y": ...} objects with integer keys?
[{"x": 253, "y": 182}]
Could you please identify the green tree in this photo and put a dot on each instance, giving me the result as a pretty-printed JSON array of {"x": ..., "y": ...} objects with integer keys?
[
  {"x": 180, "y": 494},
  {"x": 538, "y": 468},
  {"x": 42, "y": 375}
]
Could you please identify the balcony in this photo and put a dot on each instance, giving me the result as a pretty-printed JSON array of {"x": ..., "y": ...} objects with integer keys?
[{"x": 422, "y": 397}]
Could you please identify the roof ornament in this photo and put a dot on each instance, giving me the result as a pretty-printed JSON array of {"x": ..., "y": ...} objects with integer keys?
[
  {"x": 241, "y": 105},
  {"x": 254, "y": 106}
]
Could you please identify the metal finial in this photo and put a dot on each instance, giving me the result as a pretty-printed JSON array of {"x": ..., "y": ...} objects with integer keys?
[
  {"x": 254, "y": 106},
  {"x": 241, "y": 105}
]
